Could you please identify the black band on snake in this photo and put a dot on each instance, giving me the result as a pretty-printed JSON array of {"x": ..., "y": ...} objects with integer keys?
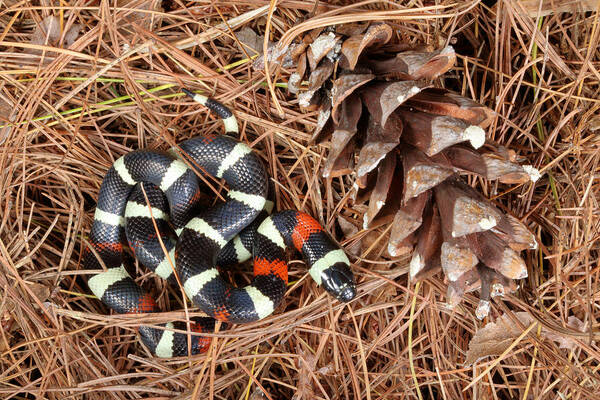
[{"x": 227, "y": 233}]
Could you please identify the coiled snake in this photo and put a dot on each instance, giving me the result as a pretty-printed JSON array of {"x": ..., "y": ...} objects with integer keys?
[{"x": 227, "y": 233}]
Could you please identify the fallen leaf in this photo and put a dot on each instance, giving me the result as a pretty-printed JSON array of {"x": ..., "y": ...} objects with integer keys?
[
  {"x": 564, "y": 341},
  {"x": 42, "y": 292},
  {"x": 251, "y": 41},
  {"x": 495, "y": 337},
  {"x": 48, "y": 33}
]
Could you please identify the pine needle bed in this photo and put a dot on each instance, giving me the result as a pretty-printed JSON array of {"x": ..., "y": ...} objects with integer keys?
[{"x": 83, "y": 83}]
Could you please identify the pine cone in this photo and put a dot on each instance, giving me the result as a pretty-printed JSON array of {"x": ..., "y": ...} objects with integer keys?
[{"x": 377, "y": 107}]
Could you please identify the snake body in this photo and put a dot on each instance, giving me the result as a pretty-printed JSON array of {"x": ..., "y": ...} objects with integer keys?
[{"x": 144, "y": 188}]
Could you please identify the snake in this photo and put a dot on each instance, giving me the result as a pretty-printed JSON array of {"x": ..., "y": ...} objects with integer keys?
[{"x": 149, "y": 203}]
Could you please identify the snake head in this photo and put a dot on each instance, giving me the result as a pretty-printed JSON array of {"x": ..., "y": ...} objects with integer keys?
[{"x": 338, "y": 280}]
